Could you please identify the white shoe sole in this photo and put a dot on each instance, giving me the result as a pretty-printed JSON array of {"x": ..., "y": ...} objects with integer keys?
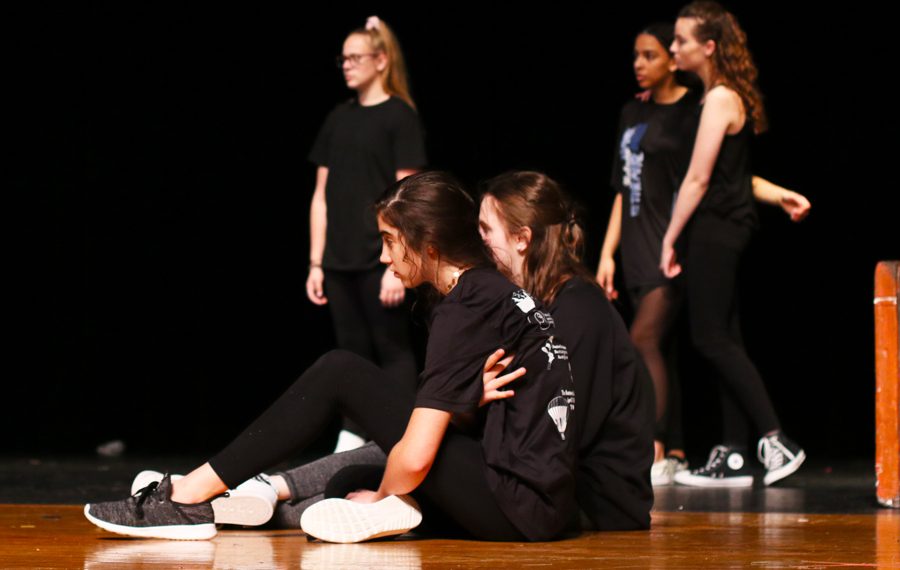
[
  {"x": 340, "y": 520},
  {"x": 237, "y": 508},
  {"x": 245, "y": 511},
  {"x": 203, "y": 531},
  {"x": 786, "y": 469},
  {"x": 692, "y": 480}
]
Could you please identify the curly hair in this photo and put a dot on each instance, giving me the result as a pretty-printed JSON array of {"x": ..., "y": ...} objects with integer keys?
[{"x": 732, "y": 62}]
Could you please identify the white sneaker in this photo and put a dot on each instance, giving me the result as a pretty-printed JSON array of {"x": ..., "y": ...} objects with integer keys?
[
  {"x": 251, "y": 503},
  {"x": 663, "y": 472},
  {"x": 340, "y": 520}
]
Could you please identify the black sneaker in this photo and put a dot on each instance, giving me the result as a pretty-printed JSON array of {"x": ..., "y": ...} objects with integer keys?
[
  {"x": 780, "y": 456},
  {"x": 725, "y": 468},
  {"x": 150, "y": 513}
]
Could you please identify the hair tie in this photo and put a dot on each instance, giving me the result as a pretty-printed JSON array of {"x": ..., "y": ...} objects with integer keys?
[{"x": 373, "y": 23}]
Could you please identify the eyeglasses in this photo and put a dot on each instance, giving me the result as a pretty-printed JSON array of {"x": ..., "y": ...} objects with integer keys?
[{"x": 353, "y": 58}]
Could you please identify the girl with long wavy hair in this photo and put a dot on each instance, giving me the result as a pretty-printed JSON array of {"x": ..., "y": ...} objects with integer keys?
[{"x": 712, "y": 221}]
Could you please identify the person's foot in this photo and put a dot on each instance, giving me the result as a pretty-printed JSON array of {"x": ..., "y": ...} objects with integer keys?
[
  {"x": 726, "y": 467},
  {"x": 151, "y": 513},
  {"x": 251, "y": 503},
  {"x": 780, "y": 456},
  {"x": 663, "y": 472},
  {"x": 341, "y": 520}
]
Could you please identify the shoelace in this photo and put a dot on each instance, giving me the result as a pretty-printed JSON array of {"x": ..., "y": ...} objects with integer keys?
[
  {"x": 716, "y": 457},
  {"x": 142, "y": 495},
  {"x": 771, "y": 452}
]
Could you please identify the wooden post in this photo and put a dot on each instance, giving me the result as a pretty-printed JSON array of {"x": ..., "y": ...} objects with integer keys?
[{"x": 887, "y": 383}]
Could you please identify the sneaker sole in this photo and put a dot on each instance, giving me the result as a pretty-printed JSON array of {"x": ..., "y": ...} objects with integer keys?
[
  {"x": 785, "y": 470},
  {"x": 237, "y": 510},
  {"x": 691, "y": 480},
  {"x": 343, "y": 521},
  {"x": 245, "y": 511},
  {"x": 203, "y": 531},
  {"x": 662, "y": 482}
]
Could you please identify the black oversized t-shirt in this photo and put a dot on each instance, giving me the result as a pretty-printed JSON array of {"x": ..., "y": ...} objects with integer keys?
[
  {"x": 527, "y": 440},
  {"x": 363, "y": 147},
  {"x": 653, "y": 151},
  {"x": 615, "y": 417}
]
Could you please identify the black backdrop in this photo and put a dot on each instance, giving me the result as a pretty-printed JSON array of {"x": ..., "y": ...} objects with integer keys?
[{"x": 161, "y": 192}]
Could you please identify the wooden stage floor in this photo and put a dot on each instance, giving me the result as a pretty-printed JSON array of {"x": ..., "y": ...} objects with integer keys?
[{"x": 58, "y": 536}]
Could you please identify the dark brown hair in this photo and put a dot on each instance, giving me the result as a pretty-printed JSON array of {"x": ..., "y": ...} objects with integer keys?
[
  {"x": 433, "y": 209},
  {"x": 534, "y": 200},
  {"x": 732, "y": 61}
]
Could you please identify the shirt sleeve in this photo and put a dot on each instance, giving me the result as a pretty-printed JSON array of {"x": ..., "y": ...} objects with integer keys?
[
  {"x": 458, "y": 345},
  {"x": 319, "y": 153},
  {"x": 409, "y": 140}
]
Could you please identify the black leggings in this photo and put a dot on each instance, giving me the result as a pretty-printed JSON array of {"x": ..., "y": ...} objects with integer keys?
[
  {"x": 714, "y": 250},
  {"x": 343, "y": 382},
  {"x": 366, "y": 327}
]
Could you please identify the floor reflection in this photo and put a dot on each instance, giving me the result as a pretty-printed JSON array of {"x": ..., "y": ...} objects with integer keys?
[
  {"x": 249, "y": 550},
  {"x": 399, "y": 555}
]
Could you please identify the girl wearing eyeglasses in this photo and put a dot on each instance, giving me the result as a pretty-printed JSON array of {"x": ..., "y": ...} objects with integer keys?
[{"x": 364, "y": 145}]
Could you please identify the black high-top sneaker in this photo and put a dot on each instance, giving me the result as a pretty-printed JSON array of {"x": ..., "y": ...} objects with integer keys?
[
  {"x": 780, "y": 456},
  {"x": 726, "y": 467}
]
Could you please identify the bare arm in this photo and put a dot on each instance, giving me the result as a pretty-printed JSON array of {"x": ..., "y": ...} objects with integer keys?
[
  {"x": 721, "y": 111},
  {"x": 410, "y": 460},
  {"x": 793, "y": 203},
  {"x": 607, "y": 268},
  {"x": 392, "y": 291},
  {"x": 318, "y": 220}
]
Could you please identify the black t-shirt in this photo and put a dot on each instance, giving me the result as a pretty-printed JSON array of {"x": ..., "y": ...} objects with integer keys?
[
  {"x": 527, "y": 440},
  {"x": 654, "y": 145},
  {"x": 363, "y": 148},
  {"x": 615, "y": 415}
]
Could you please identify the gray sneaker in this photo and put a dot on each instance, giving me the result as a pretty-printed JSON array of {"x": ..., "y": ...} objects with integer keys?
[
  {"x": 150, "y": 513},
  {"x": 252, "y": 503}
]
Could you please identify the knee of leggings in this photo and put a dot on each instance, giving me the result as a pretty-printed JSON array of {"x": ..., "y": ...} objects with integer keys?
[{"x": 331, "y": 366}]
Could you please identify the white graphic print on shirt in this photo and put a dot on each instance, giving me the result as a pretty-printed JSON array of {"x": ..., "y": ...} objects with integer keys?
[
  {"x": 560, "y": 408},
  {"x": 524, "y": 301},
  {"x": 633, "y": 165}
]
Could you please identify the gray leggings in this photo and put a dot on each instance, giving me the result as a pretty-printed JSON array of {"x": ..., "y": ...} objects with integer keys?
[{"x": 308, "y": 482}]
